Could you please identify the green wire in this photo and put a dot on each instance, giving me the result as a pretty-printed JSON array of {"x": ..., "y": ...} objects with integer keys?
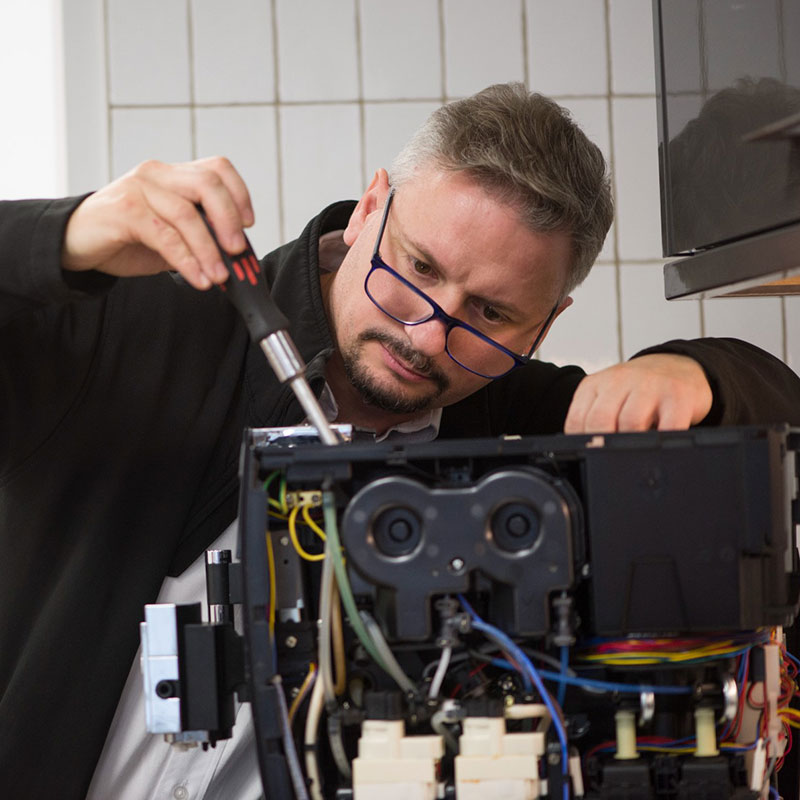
[{"x": 333, "y": 549}]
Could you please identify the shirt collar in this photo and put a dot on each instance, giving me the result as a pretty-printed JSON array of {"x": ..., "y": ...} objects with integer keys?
[{"x": 422, "y": 428}]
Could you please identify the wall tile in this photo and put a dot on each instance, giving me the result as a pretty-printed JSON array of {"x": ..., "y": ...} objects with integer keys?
[
  {"x": 632, "y": 59},
  {"x": 148, "y": 46},
  {"x": 647, "y": 317},
  {"x": 556, "y": 27},
  {"x": 793, "y": 332},
  {"x": 483, "y": 44},
  {"x": 387, "y": 128},
  {"x": 636, "y": 171},
  {"x": 139, "y": 134},
  {"x": 232, "y": 52},
  {"x": 586, "y": 333},
  {"x": 85, "y": 93},
  {"x": 400, "y": 49},
  {"x": 321, "y": 157},
  {"x": 592, "y": 116},
  {"x": 317, "y": 53},
  {"x": 247, "y": 136},
  {"x": 754, "y": 319}
]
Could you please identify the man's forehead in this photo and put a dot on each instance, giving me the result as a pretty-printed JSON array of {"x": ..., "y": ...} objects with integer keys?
[{"x": 457, "y": 225}]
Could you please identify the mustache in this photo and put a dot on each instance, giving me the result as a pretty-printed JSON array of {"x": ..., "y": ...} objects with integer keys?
[{"x": 417, "y": 361}]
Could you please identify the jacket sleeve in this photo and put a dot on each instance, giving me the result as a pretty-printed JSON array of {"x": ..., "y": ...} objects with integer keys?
[
  {"x": 31, "y": 278},
  {"x": 750, "y": 386},
  {"x": 50, "y": 325}
]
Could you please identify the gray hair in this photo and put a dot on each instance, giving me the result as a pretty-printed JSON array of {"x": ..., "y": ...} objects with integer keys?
[{"x": 527, "y": 152}]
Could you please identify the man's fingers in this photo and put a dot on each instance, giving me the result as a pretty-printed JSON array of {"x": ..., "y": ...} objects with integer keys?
[
  {"x": 674, "y": 416},
  {"x": 183, "y": 216},
  {"x": 596, "y": 406},
  {"x": 216, "y": 186},
  {"x": 661, "y": 390}
]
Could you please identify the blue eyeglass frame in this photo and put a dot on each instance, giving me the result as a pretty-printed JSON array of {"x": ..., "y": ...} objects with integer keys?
[{"x": 439, "y": 313}]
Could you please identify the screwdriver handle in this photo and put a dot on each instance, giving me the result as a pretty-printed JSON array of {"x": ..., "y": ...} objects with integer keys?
[{"x": 247, "y": 289}]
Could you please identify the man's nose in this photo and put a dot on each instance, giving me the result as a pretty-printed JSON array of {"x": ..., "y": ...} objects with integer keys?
[{"x": 427, "y": 337}]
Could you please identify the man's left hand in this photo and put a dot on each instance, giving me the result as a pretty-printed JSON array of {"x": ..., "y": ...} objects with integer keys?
[{"x": 662, "y": 390}]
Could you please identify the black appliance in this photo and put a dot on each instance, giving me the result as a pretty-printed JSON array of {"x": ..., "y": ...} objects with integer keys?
[{"x": 728, "y": 87}]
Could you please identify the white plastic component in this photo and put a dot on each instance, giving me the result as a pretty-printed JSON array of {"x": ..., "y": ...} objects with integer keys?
[
  {"x": 576, "y": 775},
  {"x": 393, "y": 766},
  {"x": 705, "y": 733},
  {"x": 758, "y": 766},
  {"x": 772, "y": 691},
  {"x": 626, "y": 735},
  {"x": 496, "y": 764}
]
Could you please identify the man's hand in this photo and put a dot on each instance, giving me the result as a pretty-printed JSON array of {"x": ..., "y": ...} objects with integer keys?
[
  {"x": 662, "y": 390},
  {"x": 146, "y": 222}
]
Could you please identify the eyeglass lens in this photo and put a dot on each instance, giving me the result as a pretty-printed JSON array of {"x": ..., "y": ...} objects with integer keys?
[{"x": 402, "y": 303}]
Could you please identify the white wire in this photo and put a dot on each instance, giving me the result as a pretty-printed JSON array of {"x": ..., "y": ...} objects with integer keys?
[
  {"x": 441, "y": 670},
  {"x": 325, "y": 613},
  {"x": 310, "y": 739}
]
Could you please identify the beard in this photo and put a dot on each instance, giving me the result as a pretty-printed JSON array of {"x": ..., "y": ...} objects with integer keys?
[{"x": 385, "y": 398}]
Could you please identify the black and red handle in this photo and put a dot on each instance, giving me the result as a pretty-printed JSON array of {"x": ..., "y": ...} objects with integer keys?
[{"x": 247, "y": 289}]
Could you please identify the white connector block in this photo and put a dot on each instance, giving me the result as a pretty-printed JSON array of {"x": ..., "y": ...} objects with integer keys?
[
  {"x": 393, "y": 766},
  {"x": 496, "y": 764}
]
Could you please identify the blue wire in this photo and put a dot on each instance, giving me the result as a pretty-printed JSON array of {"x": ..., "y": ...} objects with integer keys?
[
  {"x": 591, "y": 683},
  {"x": 610, "y": 686},
  {"x": 562, "y": 684},
  {"x": 773, "y": 792},
  {"x": 519, "y": 656}
]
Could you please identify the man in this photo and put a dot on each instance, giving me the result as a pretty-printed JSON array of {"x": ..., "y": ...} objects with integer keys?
[{"x": 126, "y": 398}]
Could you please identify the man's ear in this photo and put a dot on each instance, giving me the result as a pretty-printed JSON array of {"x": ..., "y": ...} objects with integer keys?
[{"x": 373, "y": 199}]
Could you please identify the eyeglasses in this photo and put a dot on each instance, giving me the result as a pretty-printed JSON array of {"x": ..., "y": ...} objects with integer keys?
[{"x": 399, "y": 299}]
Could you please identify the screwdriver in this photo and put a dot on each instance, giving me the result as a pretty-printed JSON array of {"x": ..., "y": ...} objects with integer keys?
[{"x": 247, "y": 289}]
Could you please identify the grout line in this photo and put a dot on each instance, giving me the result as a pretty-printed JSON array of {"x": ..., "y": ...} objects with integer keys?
[
  {"x": 192, "y": 103},
  {"x": 784, "y": 331},
  {"x": 276, "y": 84},
  {"x": 613, "y": 177},
  {"x": 109, "y": 107},
  {"x": 362, "y": 124},
  {"x": 349, "y": 100},
  {"x": 526, "y": 71},
  {"x": 442, "y": 53}
]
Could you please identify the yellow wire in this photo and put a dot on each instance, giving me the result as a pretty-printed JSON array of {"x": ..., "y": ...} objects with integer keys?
[
  {"x": 311, "y": 524},
  {"x": 295, "y": 541},
  {"x": 312, "y": 668},
  {"x": 272, "y": 590}
]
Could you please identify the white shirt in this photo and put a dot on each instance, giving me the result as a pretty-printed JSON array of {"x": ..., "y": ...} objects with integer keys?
[{"x": 135, "y": 764}]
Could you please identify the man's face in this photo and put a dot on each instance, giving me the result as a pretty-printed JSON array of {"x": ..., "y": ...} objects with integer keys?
[{"x": 471, "y": 255}]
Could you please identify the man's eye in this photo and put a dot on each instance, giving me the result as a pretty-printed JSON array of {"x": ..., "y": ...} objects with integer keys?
[
  {"x": 420, "y": 267},
  {"x": 491, "y": 314}
]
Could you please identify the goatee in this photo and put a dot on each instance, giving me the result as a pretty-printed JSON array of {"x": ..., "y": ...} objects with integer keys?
[{"x": 387, "y": 399}]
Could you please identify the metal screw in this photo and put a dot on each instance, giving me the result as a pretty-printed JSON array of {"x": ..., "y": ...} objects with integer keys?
[
  {"x": 291, "y": 641},
  {"x": 456, "y": 564}
]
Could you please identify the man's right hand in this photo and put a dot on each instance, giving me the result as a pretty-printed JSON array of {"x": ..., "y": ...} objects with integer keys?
[{"x": 146, "y": 222}]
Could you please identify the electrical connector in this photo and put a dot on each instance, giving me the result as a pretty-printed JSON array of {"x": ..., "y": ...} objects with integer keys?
[
  {"x": 393, "y": 766},
  {"x": 493, "y": 763}
]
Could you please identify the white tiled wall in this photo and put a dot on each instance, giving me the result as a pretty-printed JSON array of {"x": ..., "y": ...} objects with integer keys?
[{"x": 309, "y": 97}]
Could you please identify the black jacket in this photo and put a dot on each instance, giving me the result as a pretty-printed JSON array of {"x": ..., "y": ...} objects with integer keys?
[{"x": 122, "y": 405}]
